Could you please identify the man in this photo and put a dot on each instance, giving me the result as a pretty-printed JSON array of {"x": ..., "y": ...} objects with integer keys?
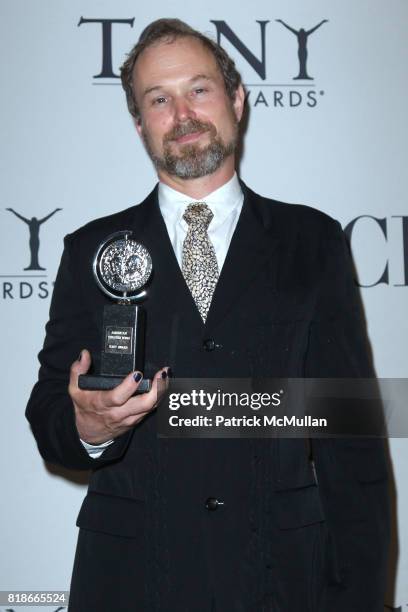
[{"x": 199, "y": 525}]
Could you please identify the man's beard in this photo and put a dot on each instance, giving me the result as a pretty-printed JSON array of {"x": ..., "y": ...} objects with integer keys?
[{"x": 193, "y": 161}]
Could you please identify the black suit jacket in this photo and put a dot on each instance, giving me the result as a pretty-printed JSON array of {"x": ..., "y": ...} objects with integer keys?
[{"x": 285, "y": 306}]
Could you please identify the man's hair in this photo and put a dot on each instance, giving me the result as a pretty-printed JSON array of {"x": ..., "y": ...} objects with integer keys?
[{"x": 168, "y": 30}]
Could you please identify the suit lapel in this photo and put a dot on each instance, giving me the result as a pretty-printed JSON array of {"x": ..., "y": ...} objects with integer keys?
[{"x": 249, "y": 255}]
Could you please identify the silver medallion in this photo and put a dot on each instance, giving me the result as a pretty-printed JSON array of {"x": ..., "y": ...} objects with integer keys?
[{"x": 122, "y": 267}]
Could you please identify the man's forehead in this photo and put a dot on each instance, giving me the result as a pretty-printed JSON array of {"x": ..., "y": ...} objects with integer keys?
[{"x": 164, "y": 57}]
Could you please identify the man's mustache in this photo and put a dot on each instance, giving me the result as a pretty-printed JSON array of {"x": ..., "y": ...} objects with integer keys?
[{"x": 189, "y": 127}]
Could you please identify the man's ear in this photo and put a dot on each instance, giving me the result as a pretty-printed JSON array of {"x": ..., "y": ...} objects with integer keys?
[
  {"x": 239, "y": 102},
  {"x": 138, "y": 124}
]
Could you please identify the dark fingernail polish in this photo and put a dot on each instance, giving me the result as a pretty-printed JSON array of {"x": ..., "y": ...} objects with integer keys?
[
  {"x": 80, "y": 356},
  {"x": 137, "y": 376},
  {"x": 164, "y": 374},
  {"x": 169, "y": 372}
]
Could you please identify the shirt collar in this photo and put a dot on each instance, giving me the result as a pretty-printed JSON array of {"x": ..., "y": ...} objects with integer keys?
[{"x": 222, "y": 202}]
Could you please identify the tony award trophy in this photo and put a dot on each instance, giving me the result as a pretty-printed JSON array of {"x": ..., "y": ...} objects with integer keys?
[{"x": 122, "y": 267}]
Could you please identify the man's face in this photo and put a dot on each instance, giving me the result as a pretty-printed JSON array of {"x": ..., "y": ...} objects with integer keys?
[{"x": 188, "y": 123}]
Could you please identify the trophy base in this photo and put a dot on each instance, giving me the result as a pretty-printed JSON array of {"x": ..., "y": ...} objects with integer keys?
[{"x": 106, "y": 383}]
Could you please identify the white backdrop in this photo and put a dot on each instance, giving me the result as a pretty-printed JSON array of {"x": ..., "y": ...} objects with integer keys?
[{"x": 337, "y": 142}]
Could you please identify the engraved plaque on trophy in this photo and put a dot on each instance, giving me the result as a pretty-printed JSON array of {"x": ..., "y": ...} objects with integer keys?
[{"x": 122, "y": 268}]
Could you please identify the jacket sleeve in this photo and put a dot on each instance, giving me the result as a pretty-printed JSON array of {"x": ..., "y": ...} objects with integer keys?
[
  {"x": 338, "y": 344},
  {"x": 50, "y": 410},
  {"x": 338, "y": 347}
]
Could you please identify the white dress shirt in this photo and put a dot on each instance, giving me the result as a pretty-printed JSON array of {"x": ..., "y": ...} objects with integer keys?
[{"x": 226, "y": 205}]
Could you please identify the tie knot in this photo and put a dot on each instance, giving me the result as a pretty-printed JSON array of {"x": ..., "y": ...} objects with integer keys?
[{"x": 198, "y": 213}]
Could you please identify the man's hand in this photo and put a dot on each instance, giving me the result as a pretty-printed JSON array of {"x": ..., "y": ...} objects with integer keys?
[{"x": 103, "y": 415}]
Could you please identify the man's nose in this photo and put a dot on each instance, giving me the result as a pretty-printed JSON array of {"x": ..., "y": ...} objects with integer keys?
[{"x": 183, "y": 109}]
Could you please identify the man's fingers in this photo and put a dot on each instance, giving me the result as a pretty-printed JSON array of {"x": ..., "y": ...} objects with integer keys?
[
  {"x": 133, "y": 419},
  {"x": 146, "y": 402},
  {"x": 163, "y": 382},
  {"x": 80, "y": 366},
  {"x": 121, "y": 393},
  {"x": 119, "y": 404},
  {"x": 159, "y": 386}
]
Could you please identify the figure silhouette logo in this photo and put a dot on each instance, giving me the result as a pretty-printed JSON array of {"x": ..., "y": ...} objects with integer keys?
[
  {"x": 34, "y": 229},
  {"x": 302, "y": 36}
]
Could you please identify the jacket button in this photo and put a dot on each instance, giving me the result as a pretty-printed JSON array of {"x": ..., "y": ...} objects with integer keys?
[
  {"x": 212, "y": 503},
  {"x": 209, "y": 344}
]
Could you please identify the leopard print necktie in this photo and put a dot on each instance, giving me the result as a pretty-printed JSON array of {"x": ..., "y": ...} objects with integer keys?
[{"x": 199, "y": 262}]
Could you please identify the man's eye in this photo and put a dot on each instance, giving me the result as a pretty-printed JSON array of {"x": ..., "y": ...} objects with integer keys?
[
  {"x": 159, "y": 100},
  {"x": 199, "y": 90}
]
